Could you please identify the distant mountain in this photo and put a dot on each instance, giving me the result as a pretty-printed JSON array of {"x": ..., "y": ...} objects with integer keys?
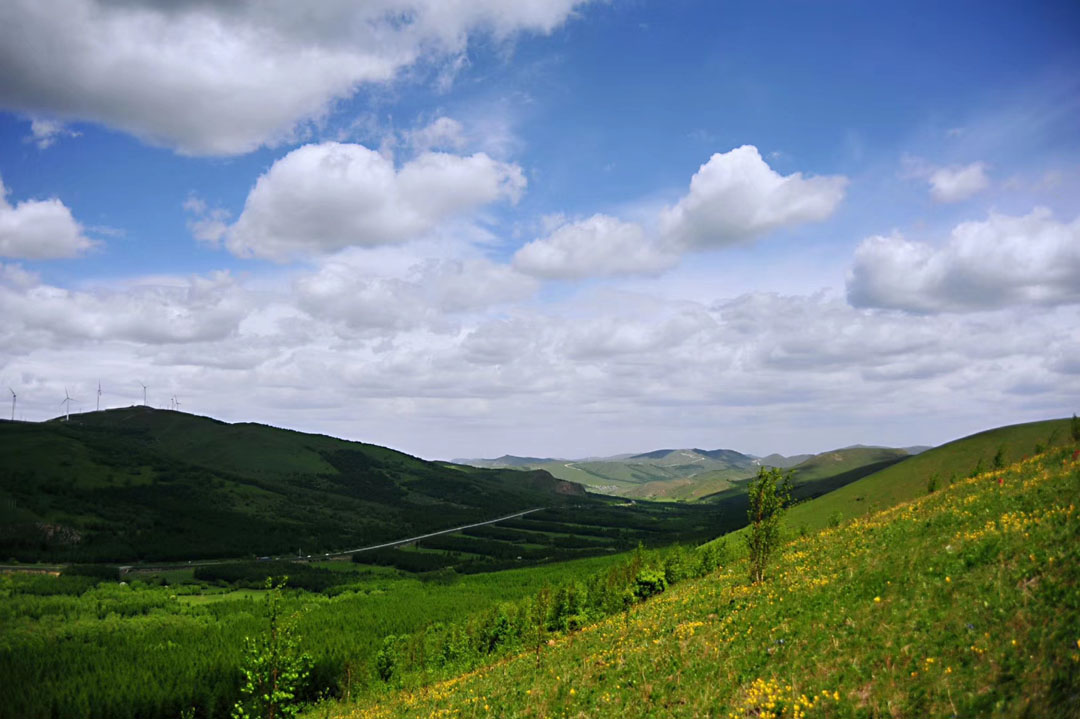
[
  {"x": 692, "y": 474},
  {"x": 140, "y": 483},
  {"x": 680, "y": 474},
  {"x": 780, "y": 461},
  {"x": 507, "y": 460}
]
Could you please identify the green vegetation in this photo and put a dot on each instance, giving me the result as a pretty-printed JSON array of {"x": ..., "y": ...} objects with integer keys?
[
  {"x": 666, "y": 474},
  {"x": 691, "y": 474},
  {"x": 171, "y": 641},
  {"x": 140, "y": 484},
  {"x": 940, "y": 466},
  {"x": 274, "y": 669},
  {"x": 78, "y": 646},
  {"x": 959, "y": 603},
  {"x": 557, "y": 534},
  {"x": 769, "y": 494}
]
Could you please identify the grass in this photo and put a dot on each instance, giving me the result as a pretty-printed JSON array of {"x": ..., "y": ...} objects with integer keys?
[
  {"x": 912, "y": 477},
  {"x": 959, "y": 603}
]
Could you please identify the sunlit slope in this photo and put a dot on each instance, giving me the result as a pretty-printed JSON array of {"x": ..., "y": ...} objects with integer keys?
[
  {"x": 960, "y": 603},
  {"x": 944, "y": 464},
  {"x": 140, "y": 483}
]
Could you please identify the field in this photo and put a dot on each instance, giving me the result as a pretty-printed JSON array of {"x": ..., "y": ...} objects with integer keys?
[
  {"x": 74, "y": 647},
  {"x": 960, "y": 603}
]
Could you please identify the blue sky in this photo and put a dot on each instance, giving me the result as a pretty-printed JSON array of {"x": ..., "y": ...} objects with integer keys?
[{"x": 547, "y": 228}]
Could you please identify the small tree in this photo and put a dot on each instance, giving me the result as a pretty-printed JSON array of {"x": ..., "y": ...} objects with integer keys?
[
  {"x": 274, "y": 669},
  {"x": 770, "y": 493},
  {"x": 1075, "y": 428},
  {"x": 538, "y": 616}
]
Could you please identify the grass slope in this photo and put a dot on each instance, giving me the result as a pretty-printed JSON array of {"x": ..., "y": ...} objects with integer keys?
[
  {"x": 139, "y": 483},
  {"x": 960, "y": 603},
  {"x": 944, "y": 464}
]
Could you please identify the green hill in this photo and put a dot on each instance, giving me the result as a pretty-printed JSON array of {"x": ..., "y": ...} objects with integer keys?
[
  {"x": 937, "y": 467},
  {"x": 663, "y": 474},
  {"x": 960, "y": 603},
  {"x": 138, "y": 483}
]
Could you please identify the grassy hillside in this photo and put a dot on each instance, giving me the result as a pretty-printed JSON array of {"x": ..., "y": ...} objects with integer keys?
[
  {"x": 960, "y": 603},
  {"x": 139, "y": 483},
  {"x": 939, "y": 467}
]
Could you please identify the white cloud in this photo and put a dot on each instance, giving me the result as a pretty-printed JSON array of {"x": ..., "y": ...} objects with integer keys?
[
  {"x": 322, "y": 198},
  {"x": 953, "y": 184},
  {"x": 160, "y": 311},
  {"x": 442, "y": 133},
  {"x": 207, "y": 225},
  {"x": 736, "y": 196},
  {"x": 598, "y": 246},
  {"x": 225, "y": 78},
  {"x": 45, "y": 132},
  {"x": 39, "y": 230},
  {"x": 424, "y": 295},
  {"x": 1002, "y": 261}
]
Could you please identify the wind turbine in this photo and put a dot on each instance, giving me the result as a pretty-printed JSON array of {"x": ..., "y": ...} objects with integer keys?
[
  {"x": 143, "y": 394},
  {"x": 176, "y": 403},
  {"x": 98, "y": 396},
  {"x": 13, "y": 396},
  {"x": 67, "y": 405}
]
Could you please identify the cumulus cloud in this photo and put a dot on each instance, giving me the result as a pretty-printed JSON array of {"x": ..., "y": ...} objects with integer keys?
[
  {"x": 39, "y": 230},
  {"x": 322, "y": 198},
  {"x": 424, "y": 295},
  {"x": 442, "y": 133},
  {"x": 206, "y": 224},
  {"x": 1029, "y": 260},
  {"x": 736, "y": 197},
  {"x": 225, "y": 78},
  {"x": 598, "y": 246},
  {"x": 954, "y": 183}
]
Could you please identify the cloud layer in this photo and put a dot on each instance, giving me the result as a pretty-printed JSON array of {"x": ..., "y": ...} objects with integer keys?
[{"x": 225, "y": 78}]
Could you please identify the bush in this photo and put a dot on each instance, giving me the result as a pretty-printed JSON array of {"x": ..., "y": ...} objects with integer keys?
[{"x": 649, "y": 582}]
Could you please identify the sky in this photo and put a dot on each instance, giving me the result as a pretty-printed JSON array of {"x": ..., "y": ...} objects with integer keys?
[{"x": 550, "y": 228}]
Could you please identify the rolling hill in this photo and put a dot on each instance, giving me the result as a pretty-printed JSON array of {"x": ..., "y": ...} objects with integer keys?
[
  {"x": 139, "y": 483},
  {"x": 960, "y": 603},
  {"x": 662, "y": 474},
  {"x": 686, "y": 475}
]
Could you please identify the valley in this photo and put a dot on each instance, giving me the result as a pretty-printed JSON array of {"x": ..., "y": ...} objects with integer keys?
[{"x": 622, "y": 581}]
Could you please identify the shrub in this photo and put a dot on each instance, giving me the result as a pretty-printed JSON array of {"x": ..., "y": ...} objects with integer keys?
[{"x": 649, "y": 582}]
